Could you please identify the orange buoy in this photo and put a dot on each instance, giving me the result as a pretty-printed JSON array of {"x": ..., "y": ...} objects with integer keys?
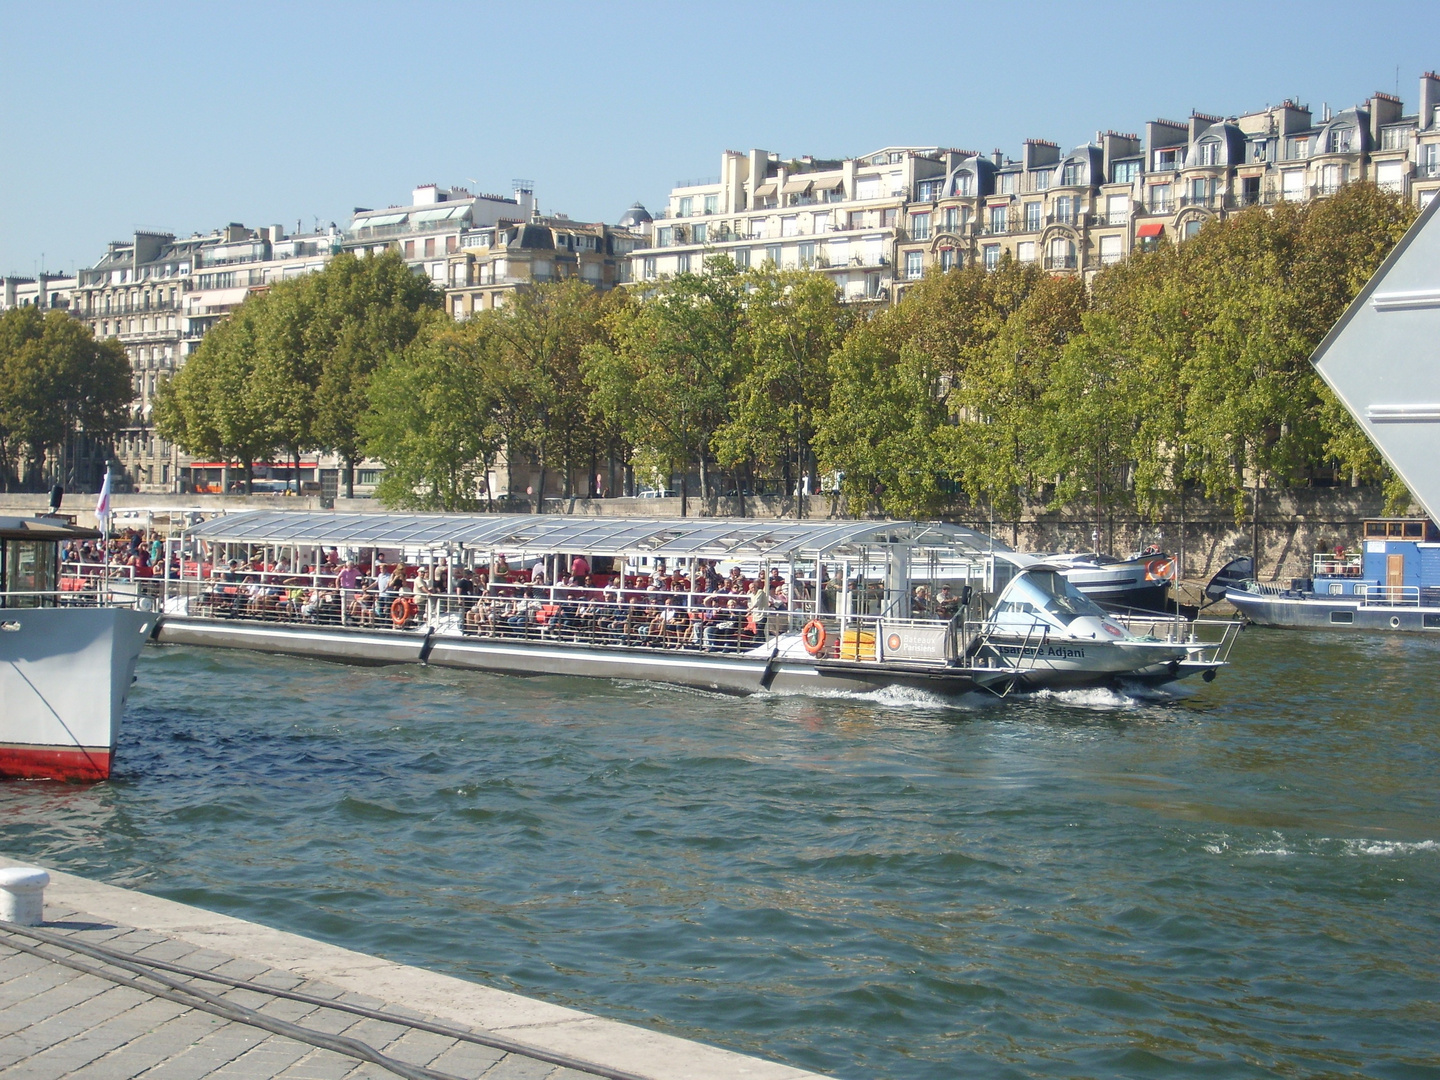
[
  {"x": 1159, "y": 569},
  {"x": 402, "y": 611},
  {"x": 813, "y": 635}
]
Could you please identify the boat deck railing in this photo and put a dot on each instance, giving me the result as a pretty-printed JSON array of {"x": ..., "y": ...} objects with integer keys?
[
  {"x": 1346, "y": 564},
  {"x": 1391, "y": 596}
]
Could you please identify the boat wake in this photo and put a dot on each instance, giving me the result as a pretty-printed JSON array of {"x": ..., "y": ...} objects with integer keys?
[
  {"x": 1103, "y": 698},
  {"x": 889, "y": 697},
  {"x": 1323, "y": 847}
]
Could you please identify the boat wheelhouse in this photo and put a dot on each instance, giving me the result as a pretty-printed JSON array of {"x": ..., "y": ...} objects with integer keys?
[{"x": 737, "y": 605}]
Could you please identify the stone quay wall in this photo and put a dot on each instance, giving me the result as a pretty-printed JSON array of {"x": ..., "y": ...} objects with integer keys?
[{"x": 1292, "y": 523}]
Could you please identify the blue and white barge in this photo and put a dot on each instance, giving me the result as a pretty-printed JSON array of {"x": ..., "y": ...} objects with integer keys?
[{"x": 1391, "y": 583}]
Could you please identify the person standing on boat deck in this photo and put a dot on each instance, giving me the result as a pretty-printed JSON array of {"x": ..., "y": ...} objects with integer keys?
[
  {"x": 580, "y": 567},
  {"x": 345, "y": 580},
  {"x": 383, "y": 597},
  {"x": 421, "y": 594}
]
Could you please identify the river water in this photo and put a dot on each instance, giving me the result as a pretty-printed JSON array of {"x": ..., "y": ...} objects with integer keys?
[{"x": 1237, "y": 880}]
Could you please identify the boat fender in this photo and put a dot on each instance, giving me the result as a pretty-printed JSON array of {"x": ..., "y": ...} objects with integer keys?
[
  {"x": 813, "y": 635},
  {"x": 1394, "y": 622},
  {"x": 402, "y": 611},
  {"x": 1159, "y": 569}
]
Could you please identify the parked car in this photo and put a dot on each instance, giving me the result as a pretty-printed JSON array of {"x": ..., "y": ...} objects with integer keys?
[{"x": 657, "y": 493}]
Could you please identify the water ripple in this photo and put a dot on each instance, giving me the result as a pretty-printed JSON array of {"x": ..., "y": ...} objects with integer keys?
[{"x": 1237, "y": 879}]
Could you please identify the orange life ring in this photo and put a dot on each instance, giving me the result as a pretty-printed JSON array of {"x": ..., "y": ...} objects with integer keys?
[
  {"x": 402, "y": 611},
  {"x": 1160, "y": 570},
  {"x": 813, "y": 635}
]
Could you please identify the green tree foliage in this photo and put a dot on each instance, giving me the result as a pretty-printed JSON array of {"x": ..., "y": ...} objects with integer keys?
[
  {"x": 56, "y": 381},
  {"x": 792, "y": 322},
  {"x": 362, "y": 311},
  {"x": 667, "y": 369},
  {"x": 432, "y": 417},
  {"x": 212, "y": 407},
  {"x": 288, "y": 371}
]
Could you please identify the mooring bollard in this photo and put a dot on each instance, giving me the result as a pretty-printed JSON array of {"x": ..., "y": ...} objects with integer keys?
[{"x": 22, "y": 895}]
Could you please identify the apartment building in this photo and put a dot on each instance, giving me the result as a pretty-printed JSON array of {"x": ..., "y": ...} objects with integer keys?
[
  {"x": 48, "y": 292},
  {"x": 883, "y": 220},
  {"x": 428, "y": 230},
  {"x": 494, "y": 261},
  {"x": 842, "y": 217}
]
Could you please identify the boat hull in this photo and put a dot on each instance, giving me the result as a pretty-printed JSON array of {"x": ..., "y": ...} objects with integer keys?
[
  {"x": 65, "y": 674},
  {"x": 1321, "y": 613},
  {"x": 725, "y": 673}
]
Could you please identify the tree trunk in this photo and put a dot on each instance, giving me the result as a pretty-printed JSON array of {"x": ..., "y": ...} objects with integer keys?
[
  {"x": 684, "y": 492},
  {"x": 349, "y": 477},
  {"x": 704, "y": 480},
  {"x": 540, "y": 487}
]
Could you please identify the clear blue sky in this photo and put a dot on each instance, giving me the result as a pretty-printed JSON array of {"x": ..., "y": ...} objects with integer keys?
[{"x": 188, "y": 116}]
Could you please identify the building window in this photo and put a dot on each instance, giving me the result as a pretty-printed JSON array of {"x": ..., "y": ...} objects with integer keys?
[
  {"x": 1032, "y": 216},
  {"x": 1062, "y": 255},
  {"x": 742, "y": 258},
  {"x": 1126, "y": 171},
  {"x": 757, "y": 227},
  {"x": 687, "y": 206},
  {"x": 1343, "y": 141},
  {"x": 1192, "y": 228},
  {"x": 664, "y": 236},
  {"x": 920, "y": 226},
  {"x": 887, "y": 217},
  {"x": 965, "y": 184},
  {"x": 650, "y": 267},
  {"x": 1065, "y": 209},
  {"x": 1073, "y": 174},
  {"x": 790, "y": 225},
  {"x": 1025, "y": 251},
  {"x": 914, "y": 264},
  {"x": 1167, "y": 160},
  {"x": 1292, "y": 184},
  {"x": 998, "y": 214},
  {"x": 807, "y": 254},
  {"x": 1007, "y": 183},
  {"x": 1160, "y": 199},
  {"x": 712, "y": 203},
  {"x": 682, "y": 264},
  {"x": 772, "y": 254},
  {"x": 1298, "y": 149},
  {"x": 409, "y": 249},
  {"x": 699, "y": 232},
  {"x": 1210, "y": 152},
  {"x": 1111, "y": 250},
  {"x": 928, "y": 190},
  {"x": 1395, "y": 139},
  {"x": 1260, "y": 150},
  {"x": 429, "y": 247},
  {"x": 855, "y": 219},
  {"x": 947, "y": 258},
  {"x": 820, "y": 223},
  {"x": 452, "y": 245},
  {"x": 992, "y": 256},
  {"x": 1117, "y": 209},
  {"x": 1331, "y": 177},
  {"x": 1430, "y": 159}
]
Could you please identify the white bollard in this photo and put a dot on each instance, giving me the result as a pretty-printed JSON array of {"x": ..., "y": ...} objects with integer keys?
[{"x": 22, "y": 895}]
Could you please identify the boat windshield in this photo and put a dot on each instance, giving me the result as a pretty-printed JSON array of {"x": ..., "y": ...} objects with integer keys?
[{"x": 1051, "y": 592}]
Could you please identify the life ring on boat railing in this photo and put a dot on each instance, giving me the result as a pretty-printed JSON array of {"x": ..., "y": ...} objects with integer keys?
[
  {"x": 1160, "y": 570},
  {"x": 402, "y": 611},
  {"x": 813, "y": 636}
]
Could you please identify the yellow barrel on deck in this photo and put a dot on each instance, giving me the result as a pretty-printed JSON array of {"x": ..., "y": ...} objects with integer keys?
[{"x": 857, "y": 645}]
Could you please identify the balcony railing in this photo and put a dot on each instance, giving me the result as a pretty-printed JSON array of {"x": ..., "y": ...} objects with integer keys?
[
  {"x": 1059, "y": 262},
  {"x": 1121, "y": 218},
  {"x": 1428, "y": 170}
]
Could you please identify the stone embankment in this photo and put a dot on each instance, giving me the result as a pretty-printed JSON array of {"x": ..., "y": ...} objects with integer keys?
[{"x": 1291, "y": 526}]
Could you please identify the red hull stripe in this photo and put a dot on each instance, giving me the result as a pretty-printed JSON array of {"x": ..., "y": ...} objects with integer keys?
[{"x": 53, "y": 763}]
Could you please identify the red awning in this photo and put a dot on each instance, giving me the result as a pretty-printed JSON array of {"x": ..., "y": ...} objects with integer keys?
[{"x": 1150, "y": 228}]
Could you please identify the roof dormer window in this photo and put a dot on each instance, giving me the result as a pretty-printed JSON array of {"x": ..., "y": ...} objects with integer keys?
[{"x": 1210, "y": 152}]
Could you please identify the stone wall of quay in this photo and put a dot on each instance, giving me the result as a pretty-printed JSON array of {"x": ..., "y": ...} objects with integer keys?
[{"x": 1292, "y": 523}]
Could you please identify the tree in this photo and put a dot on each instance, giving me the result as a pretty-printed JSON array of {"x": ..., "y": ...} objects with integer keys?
[
  {"x": 432, "y": 418},
  {"x": 793, "y": 321},
  {"x": 362, "y": 310},
  {"x": 667, "y": 367},
  {"x": 209, "y": 407},
  {"x": 56, "y": 381}
]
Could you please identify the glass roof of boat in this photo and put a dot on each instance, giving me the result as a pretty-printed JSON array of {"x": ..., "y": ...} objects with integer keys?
[{"x": 510, "y": 533}]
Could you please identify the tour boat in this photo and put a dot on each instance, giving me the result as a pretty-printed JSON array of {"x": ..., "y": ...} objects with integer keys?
[
  {"x": 1140, "y": 583},
  {"x": 847, "y": 605},
  {"x": 67, "y": 658},
  {"x": 1391, "y": 583}
]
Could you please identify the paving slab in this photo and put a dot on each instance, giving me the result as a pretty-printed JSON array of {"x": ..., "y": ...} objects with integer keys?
[{"x": 55, "y": 1021}]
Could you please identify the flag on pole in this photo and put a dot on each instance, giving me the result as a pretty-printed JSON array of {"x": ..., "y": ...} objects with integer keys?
[{"x": 102, "y": 504}]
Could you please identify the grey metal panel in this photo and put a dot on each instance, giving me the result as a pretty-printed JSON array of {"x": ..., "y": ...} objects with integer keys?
[
  {"x": 704, "y": 537},
  {"x": 1381, "y": 359}
]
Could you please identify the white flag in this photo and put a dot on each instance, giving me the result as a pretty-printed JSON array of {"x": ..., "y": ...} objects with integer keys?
[{"x": 102, "y": 504}]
